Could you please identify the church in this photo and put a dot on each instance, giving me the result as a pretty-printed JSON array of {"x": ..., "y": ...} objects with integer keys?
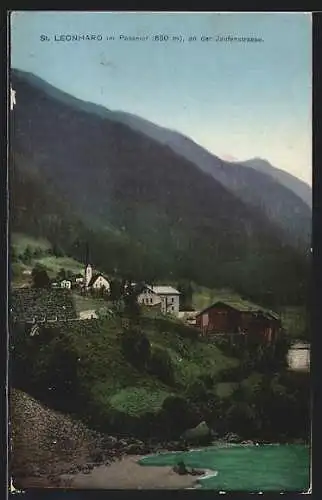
[{"x": 95, "y": 281}]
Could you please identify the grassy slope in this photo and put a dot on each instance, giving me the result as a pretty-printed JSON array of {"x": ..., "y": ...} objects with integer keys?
[
  {"x": 21, "y": 241},
  {"x": 53, "y": 264},
  {"x": 203, "y": 297},
  {"x": 114, "y": 383},
  {"x": 83, "y": 303}
]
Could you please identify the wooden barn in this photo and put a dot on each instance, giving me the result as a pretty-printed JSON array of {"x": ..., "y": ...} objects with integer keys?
[{"x": 238, "y": 317}]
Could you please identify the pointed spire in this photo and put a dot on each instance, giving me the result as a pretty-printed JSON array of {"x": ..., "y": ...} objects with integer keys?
[{"x": 87, "y": 255}]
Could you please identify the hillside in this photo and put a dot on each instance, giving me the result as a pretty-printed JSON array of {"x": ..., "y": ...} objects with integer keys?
[
  {"x": 111, "y": 385},
  {"x": 157, "y": 378},
  {"x": 145, "y": 210},
  {"x": 285, "y": 200},
  {"x": 38, "y": 214},
  {"x": 28, "y": 251}
]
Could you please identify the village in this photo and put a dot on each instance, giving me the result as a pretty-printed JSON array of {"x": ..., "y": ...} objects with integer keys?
[{"x": 227, "y": 317}]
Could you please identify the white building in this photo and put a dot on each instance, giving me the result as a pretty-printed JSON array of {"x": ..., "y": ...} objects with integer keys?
[
  {"x": 95, "y": 281},
  {"x": 79, "y": 279},
  {"x": 98, "y": 282},
  {"x": 89, "y": 314},
  {"x": 66, "y": 284},
  {"x": 188, "y": 317},
  {"x": 167, "y": 296}
]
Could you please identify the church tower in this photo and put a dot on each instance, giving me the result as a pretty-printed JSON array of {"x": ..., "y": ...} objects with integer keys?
[
  {"x": 88, "y": 274},
  {"x": 88, "y": 268}
]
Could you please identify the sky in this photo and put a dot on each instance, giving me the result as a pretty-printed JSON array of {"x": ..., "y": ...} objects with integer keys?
[{"x": 237, "y": 99}]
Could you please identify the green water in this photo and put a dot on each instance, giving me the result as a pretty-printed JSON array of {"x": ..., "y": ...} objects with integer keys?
[{"x": 246, "y": 468}]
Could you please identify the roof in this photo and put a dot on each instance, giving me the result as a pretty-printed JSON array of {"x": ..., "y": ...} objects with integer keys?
[
  {"x": 164, "y": 290},
  {"x": 95, "y": 277},
  {"x": 243, "y": 306}
]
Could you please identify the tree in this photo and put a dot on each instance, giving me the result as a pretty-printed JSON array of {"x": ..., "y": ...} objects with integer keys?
[
  {"x": 40, "y": 278},
  {"x": 178, "y": 415},
  {"x": 57, "y": 251},
  {"x": 37, "y": 252},
  {"x": 131, "y": 305},
  {"x": 242, "y": 419},
  {"x": 62, "y": 274},
  {"x": 27, "y": 255},
  {"x": 161, "y": 366},
  {"x": 136, "y": 348},
  {"x": 13, "y": 254},
  {"x": 186, "y": 292},
  {"x": 115, "y": 290},
  {"x": 196, "y": 390}
]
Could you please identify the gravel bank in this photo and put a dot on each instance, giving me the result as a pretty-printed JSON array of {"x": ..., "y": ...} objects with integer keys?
[{"x": 47, "y": 445}]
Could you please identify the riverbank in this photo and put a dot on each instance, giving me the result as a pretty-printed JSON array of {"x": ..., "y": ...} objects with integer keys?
[
  {"x": 278, "y": 468},
  {"x": 50, "y": 449},
  {"x": 127, "y": 473}
]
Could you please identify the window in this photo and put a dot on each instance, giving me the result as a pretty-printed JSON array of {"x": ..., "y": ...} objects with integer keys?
[{"x": 172, "y": 300}]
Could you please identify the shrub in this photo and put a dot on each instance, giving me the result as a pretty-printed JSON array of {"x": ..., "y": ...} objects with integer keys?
[
  {"x": 208, "y": 380},
  {"x": 46, "y": 366},
  {"x": 197, "y": 391},
  {"x": 137, "y": 401},
  {"x": 160, "y": 365},
  {"x": 175, "y": 405},
  {"x": 178, "y": 416},
  {"x": 40, "y": 278},
  {"x": 242, "y": 419},
  {"x": 234, "y": 373},
  {"x": 136, "y": 348}
]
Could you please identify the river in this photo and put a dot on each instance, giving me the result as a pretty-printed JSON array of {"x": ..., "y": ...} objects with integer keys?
[{"x": 260, "y": 468}]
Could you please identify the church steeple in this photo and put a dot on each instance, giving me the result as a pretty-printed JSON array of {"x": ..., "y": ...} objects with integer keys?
[
  {"x": 88, "y": 268},
  {"x": 86, "y": 254}
]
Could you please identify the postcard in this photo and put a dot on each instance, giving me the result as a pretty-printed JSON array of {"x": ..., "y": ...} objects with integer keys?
[{"x": 160, "y": 250}]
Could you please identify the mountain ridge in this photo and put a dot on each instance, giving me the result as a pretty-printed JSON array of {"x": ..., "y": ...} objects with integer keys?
[
  {"x": 169, "y": 215},
  {"x": 252, "y": 184},
  {"x": 125, "y": 117}
]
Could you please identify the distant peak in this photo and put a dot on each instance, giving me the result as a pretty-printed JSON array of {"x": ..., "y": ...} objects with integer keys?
[
  {"x": 228, "y": 157},
  {"x": 258, "y": 159}
]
